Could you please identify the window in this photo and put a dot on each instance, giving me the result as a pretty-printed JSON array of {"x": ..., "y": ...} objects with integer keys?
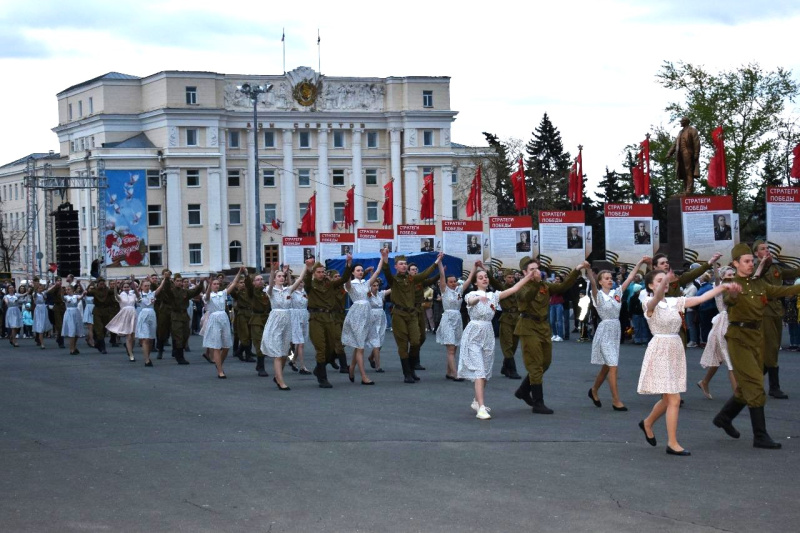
[
  {"x": 455, "y": 210},
  {"x": 305, "y": 139},
  {"x": 94, "y": 222},
  {"x": 83, "y": 217},
  {"x": 372, "y": 211},
  {"x": 338, "y": 211},
  {"x": 303, "y": 177},
  {"x": 94, "y": 251},
  {"x": 156, "y": 252},
  {"x": 91, "y": 105},
  {"x": 338, "y": 177},
  {"x": 80, "y": 108},
  {"x": 371, "y": 176},
  {"x": 92, "y": 141},
  {"x": 269, "y": 139},
  {"x": 454, "y": 176},
  {"x": 16, "y": 191},
  {"x": 153, "y": 179},
  {"x": 233, "y": 178},
  {"x": 69, "y": 111},
  {"x": 235, "y": 214},
  {"x": 427, "y": 138},
  {"x": 191, "y": 95},
  {"x": 233, "y": 139},
  {"x": 85, "y": 255},
  {"x": 193, "y": 178},
  {"x": 269, "y": 177},
  {"x": 338, "y": 139},
  {"x": 153, "y": 215},
  {"x": 426, "y": 171},
  {"x": 194, "y": 214},
  {"x": 270, "y": 213},
  {"x": 235, "y": 255},
  {"x": 372, "y": 139},
  {"x": 83, "y": 143},
  {"x": 303, "y": 208},
  {"x": 427, "y": 98},
  {"x": 195, "y": 253},
  {"x": 191, "y": 137}
]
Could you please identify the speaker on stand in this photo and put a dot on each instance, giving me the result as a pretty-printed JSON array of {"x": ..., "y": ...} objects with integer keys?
[{"x": 68, "y": 241}]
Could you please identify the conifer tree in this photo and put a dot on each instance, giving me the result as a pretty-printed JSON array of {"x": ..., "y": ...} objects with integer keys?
[{"x": 547, "y": 168}]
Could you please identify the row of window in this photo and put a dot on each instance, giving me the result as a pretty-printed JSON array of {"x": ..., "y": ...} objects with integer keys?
[
  {"x": 13, "y": 221},
  {"x": 12, "y": 192},
  {"x": 80, "y": 108},
  {"x": 79, "y": 145},
  {"x": 268, "y": 177}
]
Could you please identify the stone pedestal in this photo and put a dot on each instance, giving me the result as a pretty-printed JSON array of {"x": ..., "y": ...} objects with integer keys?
[{"x": 675, "y": 232}]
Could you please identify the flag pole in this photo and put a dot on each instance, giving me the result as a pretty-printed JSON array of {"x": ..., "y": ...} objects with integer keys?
[
  {"x": 319, "y": 54},
  {"x": 283, "y": 43}
]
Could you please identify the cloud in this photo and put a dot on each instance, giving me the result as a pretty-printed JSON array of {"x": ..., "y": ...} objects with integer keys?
[
  {"x": 14, "y": 44},
  {"x": 726, "y": 12}
]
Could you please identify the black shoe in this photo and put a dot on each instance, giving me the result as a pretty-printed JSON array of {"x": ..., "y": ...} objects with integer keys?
[
  {"x": 650, "y": 440},
  {"x": 504, "y": 368},
  {"x": 447, "y": 376},
  {"x": 149, "y": 363},
  {"x": 379, "y": 370},
  {"x": 249, "y": 359},
  {"x": 623, "y": 408},
  {"x": 459, "y": 380},
  {"x": 343, "y": 368},
  {"x": 279, "y": 387},
  {"x": 511, "y": 370},
  {"x": 160, "y": 354},
  {"x": 761, "y": 438},
  {"x": 724, "y": 418},
  {"x": 223, "y": 376},
  {"x": 260, "y": 368},
  {"x": 322, "y": 376},
  {"x": 524, "y": 391},
  {"x": 207, "y": 358},
  {"x": 775, "y": 384},
  {"x": 238, "y": 353},
  {"x": 408, "y": 376},
  {"x": 304, "y": 372},
  {"x": 418, "y": 366},
  {"x": 183, "y": 361},
  {"x": 371, "y": 360},
  {"x": 293, "y": 366},
  {"x": 368, "y": 383},
  {"x": 334, "y": 364},
  {"x": 537, "y": 395},
  {"x": 597, "y": 403},
  {"x": 682, "y": 453}
]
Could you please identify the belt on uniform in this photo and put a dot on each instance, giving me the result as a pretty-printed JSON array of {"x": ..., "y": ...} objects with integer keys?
[
  {"x": 406, "y": 309},
  {"x": 746, "y": 325},
  {"x": 318, "y": 310},
  {"x": 532, "y": 317}
]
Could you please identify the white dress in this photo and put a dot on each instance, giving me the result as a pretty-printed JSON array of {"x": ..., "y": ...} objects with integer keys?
[
  {"x": 146, "y": 319},
  {"x": 72, "y": 325},
  {"x": 664, "y": 363},
  {"x": 124, "y": 322},
  {"x": 716, "y": 351},
  {"x": 277, "y": 334},
  {"x": 13, "y": 313},
  {"x": 41, "y": 322},
  {"x": 356, "y": 324},
  {"x": 299, "y": 317},
  {"x": 605, "y": 346},
  {"x": 477, "y": 342},
  {"x": 451, "y": 326},
  {"x": 88, "y": 309},
  {"x": 377, "y": 321},
  {"x": 217, "y": 329}
]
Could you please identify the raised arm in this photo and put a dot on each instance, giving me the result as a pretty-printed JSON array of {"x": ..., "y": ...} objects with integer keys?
[
  {"x": 692, "y": 275},
  {"x": 375, "y": 273},
  {"x": 307, "y": 277},
  {"x": 235, "y": 281},
  {"x": 298, "y": 280},
  {"x": 658, "y": 295},
  {"x": 272, "y": 279},
  {"x": 422, "y": 276},
  {"x": 731, "y": 288},
  {"x": 632, "y": 275},
  {"x": 593, "y": 282},
  {"x": 387, "y": 271},
  {"x": 469, "y": 278},
  {"x": 348, "y": 263},
  {"x": 494, "y": 282},
  {"x": 560, "y": 288},
  {"x": 442, "y": 279},
  {"x": 208, "y": 289},
  {"x": 517, "y": 286},
  {"x": 197, "y": 290},
  {"x": 348, "y": 271}
]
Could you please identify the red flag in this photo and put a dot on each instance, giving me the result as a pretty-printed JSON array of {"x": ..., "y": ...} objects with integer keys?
[
  {"x": 478, "y": 192},
  {"x": 427, "y": 200},
  {"x": 388, "y": 203},
  {"x": 717, "y": 170},
  {"x": 796, "y": 163},
  {"x": 638, "y": 176},
  {"x": 474, "y": 200},
  {"x": 641, "y": 171},
  {"x": 308, "y": 223},
  {"x": 349, "y": 219},
  {"x": 579, "y": 179},
  {"x": 518, "y": 186},
  {"x": 276, "y": 224}
]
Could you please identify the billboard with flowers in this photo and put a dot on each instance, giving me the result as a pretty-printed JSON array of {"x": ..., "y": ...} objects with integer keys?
[{"x": 125, "y": 242}]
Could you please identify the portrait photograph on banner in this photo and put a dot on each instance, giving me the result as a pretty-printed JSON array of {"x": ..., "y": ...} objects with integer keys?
[
  {"x": 783, "y": 223},
  {"x": 512, "y": 238},
  {"x": 374, "y": 240},
  {"x": 463, "y": 238},
  {"x": 707, "y": 227},
  {"x": 562, "y": 239},
  {"x": 629, "y": 232},
  {"x": 335, "y": 245},
  {"x": 416, "y": 238},
  {"x": 125, "y": 242},
  {"x": 297, "y": 250}
]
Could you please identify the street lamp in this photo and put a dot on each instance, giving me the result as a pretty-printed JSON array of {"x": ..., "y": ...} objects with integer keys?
[{"x": 252, "y": 92}]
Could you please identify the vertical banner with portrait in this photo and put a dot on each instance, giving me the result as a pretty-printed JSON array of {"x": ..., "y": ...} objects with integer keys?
[
  {"x": 335, "y": 245},
  {"x": 629, "y": 233},
  {"x": 783, "y": 223},
  {"x": 126, "y": 226},
  {"x": 511, "y": 239},
  {"x": 372, "y": 241},
  {"x": 416, "y": 238},
  {"x": 296, "y": 250},
  {"x": 463, "y": 238},
  {"x": 656, "y": 225},
  {"x": 561, "y": 235},
  {"x": 707, "y": 227}
]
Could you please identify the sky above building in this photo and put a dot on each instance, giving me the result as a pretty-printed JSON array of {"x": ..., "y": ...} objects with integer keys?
[{"x": 590, "y": 65}]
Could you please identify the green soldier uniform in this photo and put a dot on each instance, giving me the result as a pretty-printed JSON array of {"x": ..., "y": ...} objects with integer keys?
[
  {"x": 162, "y": 325},
  {"x": 242, "y": 312},
  {"x": 322, "y": 324},
  {"x": 508, "y": 321},
  {"x": 259, "y": 313},
  {"x": 177, "y": 301},
  {"x": 533, "y": 329},
  {"x": 59, "y": 310},
  {"x": 105, "y": 307},
  {"x": 405, "y": 320},
  {"x": 746, "y": 348},
  {"x": 419, "y": 298}
]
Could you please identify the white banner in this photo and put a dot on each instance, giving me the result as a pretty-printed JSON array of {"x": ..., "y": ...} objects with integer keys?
[{"x": 783, "y": 223}]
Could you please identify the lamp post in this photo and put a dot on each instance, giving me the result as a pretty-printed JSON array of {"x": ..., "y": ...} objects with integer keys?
[{"x": 252, "y": 92}]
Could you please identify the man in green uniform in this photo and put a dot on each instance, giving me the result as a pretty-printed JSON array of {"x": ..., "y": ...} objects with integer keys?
[
  {"x": 773, "y": 316},
  {"x": 242, "y": 312},
  {"x": 322, "y": 304},
  {"x": 59, "y": 309},
  {"x": 746, "y": 346},
  {"x": 259, "y": 313},
  {"x": 162, "y": 315},
  {"x": 405, "y": 322},
  {"x": 508, "y": 321},
  {"x": 338, "y": 317},
  {"x": 419, "y": 298},
  {"x": 177, "y": 300},
  {"x": 105, "y": 307},
  {"x": 533, "y": 329}
]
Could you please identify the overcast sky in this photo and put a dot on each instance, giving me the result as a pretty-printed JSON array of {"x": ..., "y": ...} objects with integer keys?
[{"x": 590, "y": 65}]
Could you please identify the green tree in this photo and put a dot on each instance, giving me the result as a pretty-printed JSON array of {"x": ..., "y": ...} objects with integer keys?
[
  {"x": 497, "y": 175},
  {"x": 755, "y": 225},
  {"x": 547, "y": 168},
  {"x": 615, "y": 187}
]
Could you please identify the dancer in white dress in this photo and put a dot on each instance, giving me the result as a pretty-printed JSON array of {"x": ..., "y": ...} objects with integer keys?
[
  {"x": 14, "y": 303},
  {"x": 477, "y": 341},
  {"x": 124, "y": 322},
  {"x": 716, "y": 351},
  {"x": 664, "y": 364},
  {"x": 277, "y": 334},
  {"x": 299, "y": 328},
  {"x": 356, "y": 324},
  {"x": 377, "y": 324},
  {"x": 72, "y": 324},
  {"x": 41, "y": 322},
  {"x": 605, "y": 346},
  {"x": 88, "y": 314},
  {"x": 217, "y": 335},
  {"x": 146, "y": 323},
  {"x": 451, "y": 326}
]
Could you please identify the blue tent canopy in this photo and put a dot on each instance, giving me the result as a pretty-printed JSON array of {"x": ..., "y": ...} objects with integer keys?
[{"x": 453, "y": 265}]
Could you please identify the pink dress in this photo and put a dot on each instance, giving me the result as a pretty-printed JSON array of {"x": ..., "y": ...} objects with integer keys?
[
  {"x": 664, "y": 363},
  {"x": 716, "y": 350},
  {"x": 124, "y": 323}
]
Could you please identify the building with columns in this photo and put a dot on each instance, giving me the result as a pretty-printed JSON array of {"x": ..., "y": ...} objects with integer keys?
[{"x": 191, "y": 134}]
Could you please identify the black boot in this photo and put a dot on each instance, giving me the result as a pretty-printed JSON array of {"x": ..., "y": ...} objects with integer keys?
[
  {"x": 775, "y": 384},
  {"x": 237, "y": 353},
  {"x": 761, "y": 438},
  {"x": 524, "y": 391},
  {"x": 177, "y": 353},
  {"x": 504, "y": 368},
  {"x": 101, "y": 346},
  {"x": 537, "y": 394},
  {"x": 60, "y": 341},
  {"x": 331, "y": 360},
  {"x": 343, "y": 368},
  {"x": 413, "y": 364},
  {"x": 249, "y": 355},
  {"x": 260, "y": 367},
  {"x": 415, "y": 358},
  {"x": 322, "y": 376},
  {"x": 511, "y": 369},
  {"x": 160, "y": 348},
  {"x": 724, "y": 418},
  {"x": 408, "y": 373}
]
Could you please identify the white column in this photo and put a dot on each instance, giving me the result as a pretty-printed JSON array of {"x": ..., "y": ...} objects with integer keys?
[
  {"x": 397, "y": 192},
  {"x": 216, "y": 248},
  {"x": 249, "y": 194},
  {"x": 223, "y": 198},
  {"x": 289, "y": 205},
  {"x": 445, "y": 192},
  {"x": 324, "y": 206},
  {"x": 358, "y": 179},
  {"x": 175, "y": 219},
  {"x": 412, "y": 195}
]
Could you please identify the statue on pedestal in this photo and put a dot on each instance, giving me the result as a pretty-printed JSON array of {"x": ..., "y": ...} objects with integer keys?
[{"x": 687, "y": 155}]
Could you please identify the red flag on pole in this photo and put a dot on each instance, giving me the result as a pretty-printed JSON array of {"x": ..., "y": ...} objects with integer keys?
[
  {"x": 579, "y": 179},
  {"x": 276, "y": 224},
  {"x": 573, "y": 179},
  {"x": 308, "y": 223},
  {"x": 388, "y": 204},
  {"x": 349, "y": 219},
  {"x": 796, "y": 163},
  {"x": 717, "y": 170},
  {"x": 474, "y": 200},
  {"x": 518, "y": 186},
  {"x": 427, "y": 200},
  {"x": 641, "y": 172}
]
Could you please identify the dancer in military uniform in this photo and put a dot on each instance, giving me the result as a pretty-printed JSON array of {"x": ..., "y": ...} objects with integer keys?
[
  {"x": 105, "y": 308},
  {"x": 59, "y": 309},
  {"x": 259, "y": 314},
  {"x": 177, "y": 300},
  {"x": 242, "y": 312},
  {"x": 508, "y": 321},
  {"x": 339, "y": 314},
  {"x": 405, "y": 322},
  {"x": 745, "y": 338},
  {"x": 419, "y": 298},
  {"x": 162, "y": 315},
  {"x": 773, "y": 316}
]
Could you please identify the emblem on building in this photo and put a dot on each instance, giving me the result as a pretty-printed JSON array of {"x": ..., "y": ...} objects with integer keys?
[
  {"x": 306, "y": 85},
  {"x": 305, "y": 93}
]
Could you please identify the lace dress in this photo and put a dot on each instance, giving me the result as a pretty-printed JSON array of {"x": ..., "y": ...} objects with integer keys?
[
  {"x": 716, "y": 351},
  {"x": 88, "y": 309},
  {"x": 278, "y": 332},
  {"x": 664, "y": 363},
  {"x": 72, "y": 325},
  {"x": 299, "y": 317},
  {"x": 605, "y": 346},
  {"x": 356, "y": 324},
  {"x": 477, "y": 342},
  {"x": 41, "y": 322},
  {"x": 377, "y": 321},
  {"x": 450, "y": 326},
  {"x": 124, "y": 323},
  {"x": 14, "y": 304},
  {"x": 146, "y": 320},
  {"x": 217, "y": 329}
]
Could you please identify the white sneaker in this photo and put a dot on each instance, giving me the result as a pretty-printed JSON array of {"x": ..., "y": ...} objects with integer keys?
[
  {"x": 483, "y": 413},
  {"x": 557, "y": 339},
  {"x": 475, "y": 406},
  {"x": 692, "y": 345},
  {"x": 553, "y": 338}
]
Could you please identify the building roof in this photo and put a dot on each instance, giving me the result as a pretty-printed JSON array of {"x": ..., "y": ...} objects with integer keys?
[
  {"x": 107, "y": 76},
  {"x": 35, "y": 155},
  {"x": 137, "y": 141}
]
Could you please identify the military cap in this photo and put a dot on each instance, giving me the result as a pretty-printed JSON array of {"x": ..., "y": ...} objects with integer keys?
[
  {"x": 177, "y": 276},
  {"x": 524, "y": 262},
  {"x": 317, "y": 265},
  {"x": 740, "y": 250},
  {"x": 756, "y": 244},
  {"x": 399, "y": 258},
  {"x": 507, "y": 272}
]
